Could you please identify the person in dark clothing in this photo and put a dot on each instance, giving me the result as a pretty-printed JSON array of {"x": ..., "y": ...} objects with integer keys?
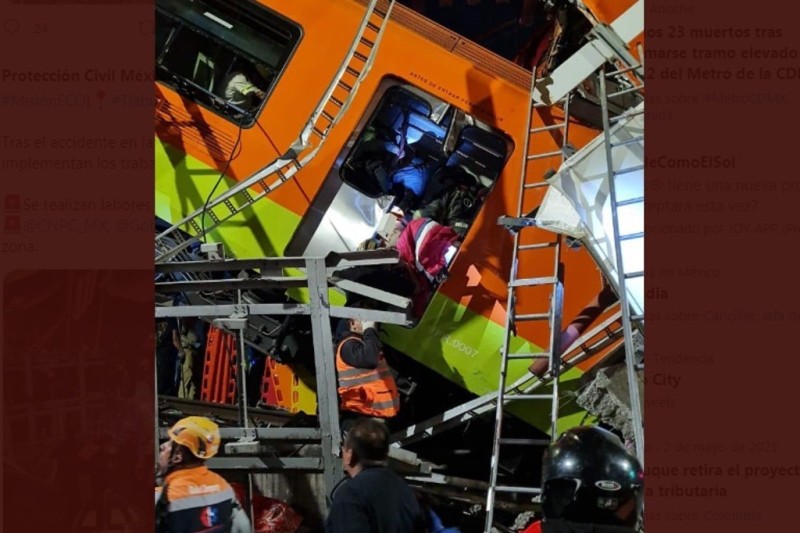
[
  {"x": 169, "y": 354},
  {"x": 366, "y": 384},
  {"x": 372, "y": 498},
  {"x": 456, "y": 202}
]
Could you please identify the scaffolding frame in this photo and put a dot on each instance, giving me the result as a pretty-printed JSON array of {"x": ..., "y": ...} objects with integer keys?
[{"x": 320, "y": 272}]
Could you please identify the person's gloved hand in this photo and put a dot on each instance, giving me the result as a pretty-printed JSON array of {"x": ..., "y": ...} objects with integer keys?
[{"x": 366, "y": 324}]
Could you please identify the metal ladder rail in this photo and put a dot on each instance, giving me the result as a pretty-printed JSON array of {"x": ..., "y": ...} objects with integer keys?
[
  {"x": 332, "y": 106},
  {"x": 622, "y": 276},
  {"x": 553, "y": 315},
  {"x": 523, "y": 385},
  {"x": 632, "y": 72}
]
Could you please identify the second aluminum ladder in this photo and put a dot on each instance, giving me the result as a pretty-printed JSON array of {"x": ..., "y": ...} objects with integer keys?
[{"x": 532, "y": 253}]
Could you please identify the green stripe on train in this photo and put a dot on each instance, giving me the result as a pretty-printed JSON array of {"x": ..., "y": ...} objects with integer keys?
[
  {"x": 182, "y": 186},
  {"x": 464, "y": 347}
]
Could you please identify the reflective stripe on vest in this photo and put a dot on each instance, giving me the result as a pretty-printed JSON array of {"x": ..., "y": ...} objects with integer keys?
[
  {"x": 357, "y": 385},
  {"x": 359, "y": 378},
  {"x": 201, "y": 500}
]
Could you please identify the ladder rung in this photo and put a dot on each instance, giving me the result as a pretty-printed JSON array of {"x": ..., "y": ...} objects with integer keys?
[
  {"x": 526, "y": 442},
  {"x": 366, "y": 42},
  {"x": 626, "y": 115},
  {"x": 521, "y": 490},
  {"x": 622, "y": 71},
  {"x": 540, "y": 355},
  {"x": 540, "y": 246},
  {"x": 531, "y": 282},
  {"x": 373, "y": 27},
  {"x": 336, "y": 102},
  {"x": 318, "y": 133},
  {"x": 630, "y": 201},
  {"x": 535, "y": 185},
  {"x": 381, "y": 14},
  {"x": 634, "y": 274},
  {"x": 626, "y": 91},
  {"x": 546, "y": 154},
  {"x": 529, "y": 397},
  {"x": 631, "y": 236},
  {"x": 542, "y": 104},
  {"x": 628, "y": 170},
  {"x": 516, "y": 222},
  {"x": 327, "y": 116},
  {"x": 344, "y": 86},
  {"x": 626, "y": 142},
  {"x": 547, "y": 128},
  {"x": 533, "y": 316},
  {"x": 352, "y": 71},
  {"x": 360, "y": 57}
]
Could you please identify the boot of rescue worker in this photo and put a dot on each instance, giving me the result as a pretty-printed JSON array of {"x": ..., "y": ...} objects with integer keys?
[{"x": 590, "y": 483}]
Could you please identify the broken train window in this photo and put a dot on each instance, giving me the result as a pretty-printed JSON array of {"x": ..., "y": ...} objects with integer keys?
[
  {"x": 226, "y": 56},
  {"x": 429, "y": 159},
  {"x": 419, "y": 150}
]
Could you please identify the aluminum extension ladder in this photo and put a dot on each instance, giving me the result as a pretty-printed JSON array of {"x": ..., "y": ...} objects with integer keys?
[
  {"x": 533, "y": 254},
  {"x": 331, "y": 108},
  {"x": 636, "y": 81}
]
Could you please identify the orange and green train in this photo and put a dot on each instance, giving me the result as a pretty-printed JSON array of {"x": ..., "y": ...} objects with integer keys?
[{"x": 202, "y": 43}]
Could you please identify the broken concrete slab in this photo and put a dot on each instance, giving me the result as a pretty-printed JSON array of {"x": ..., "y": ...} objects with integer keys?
[{"x": 608, "y": 398}]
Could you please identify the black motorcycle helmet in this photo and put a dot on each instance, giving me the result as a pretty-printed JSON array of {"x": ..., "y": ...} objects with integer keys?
[{"x": 588, "y": 476}]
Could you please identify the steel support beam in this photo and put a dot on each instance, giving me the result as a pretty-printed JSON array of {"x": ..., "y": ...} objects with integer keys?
[
  {"x": 266, "y": 464},
  {"x": 232, "y": 309},
  {"x": 280, "y": 434},
  {"x": 266, "y": 263},
  {"x": 386, "y": 317},
  {"x": 327, "y": 397},
  {"x": 275, "y": 282}
]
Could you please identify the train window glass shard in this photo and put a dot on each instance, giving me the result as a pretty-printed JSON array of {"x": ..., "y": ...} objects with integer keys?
[{"x": 224, "y": 55}]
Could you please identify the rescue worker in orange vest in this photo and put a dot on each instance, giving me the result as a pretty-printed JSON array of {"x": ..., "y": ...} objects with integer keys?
[
  {"x": 590, "y": 484},
  {"x": 191, "y": 498},
  {"x": 366, "y": 383}
]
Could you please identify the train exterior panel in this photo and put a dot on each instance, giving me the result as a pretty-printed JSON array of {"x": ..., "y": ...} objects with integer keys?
[{"x": 462, "y": 330}]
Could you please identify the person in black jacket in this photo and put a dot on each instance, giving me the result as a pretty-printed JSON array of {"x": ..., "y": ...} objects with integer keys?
[
  {"x": 372, "y": 498},
  {"x": 456, "y": 201}
]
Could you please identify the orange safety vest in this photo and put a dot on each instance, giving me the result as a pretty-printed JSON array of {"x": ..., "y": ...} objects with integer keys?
[
  {"x": 368, "y": 391},
  {"x": 196, "y": 500}
]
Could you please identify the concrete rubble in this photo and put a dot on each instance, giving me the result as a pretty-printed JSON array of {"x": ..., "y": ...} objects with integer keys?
[{"x": 607, "y": 395}]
